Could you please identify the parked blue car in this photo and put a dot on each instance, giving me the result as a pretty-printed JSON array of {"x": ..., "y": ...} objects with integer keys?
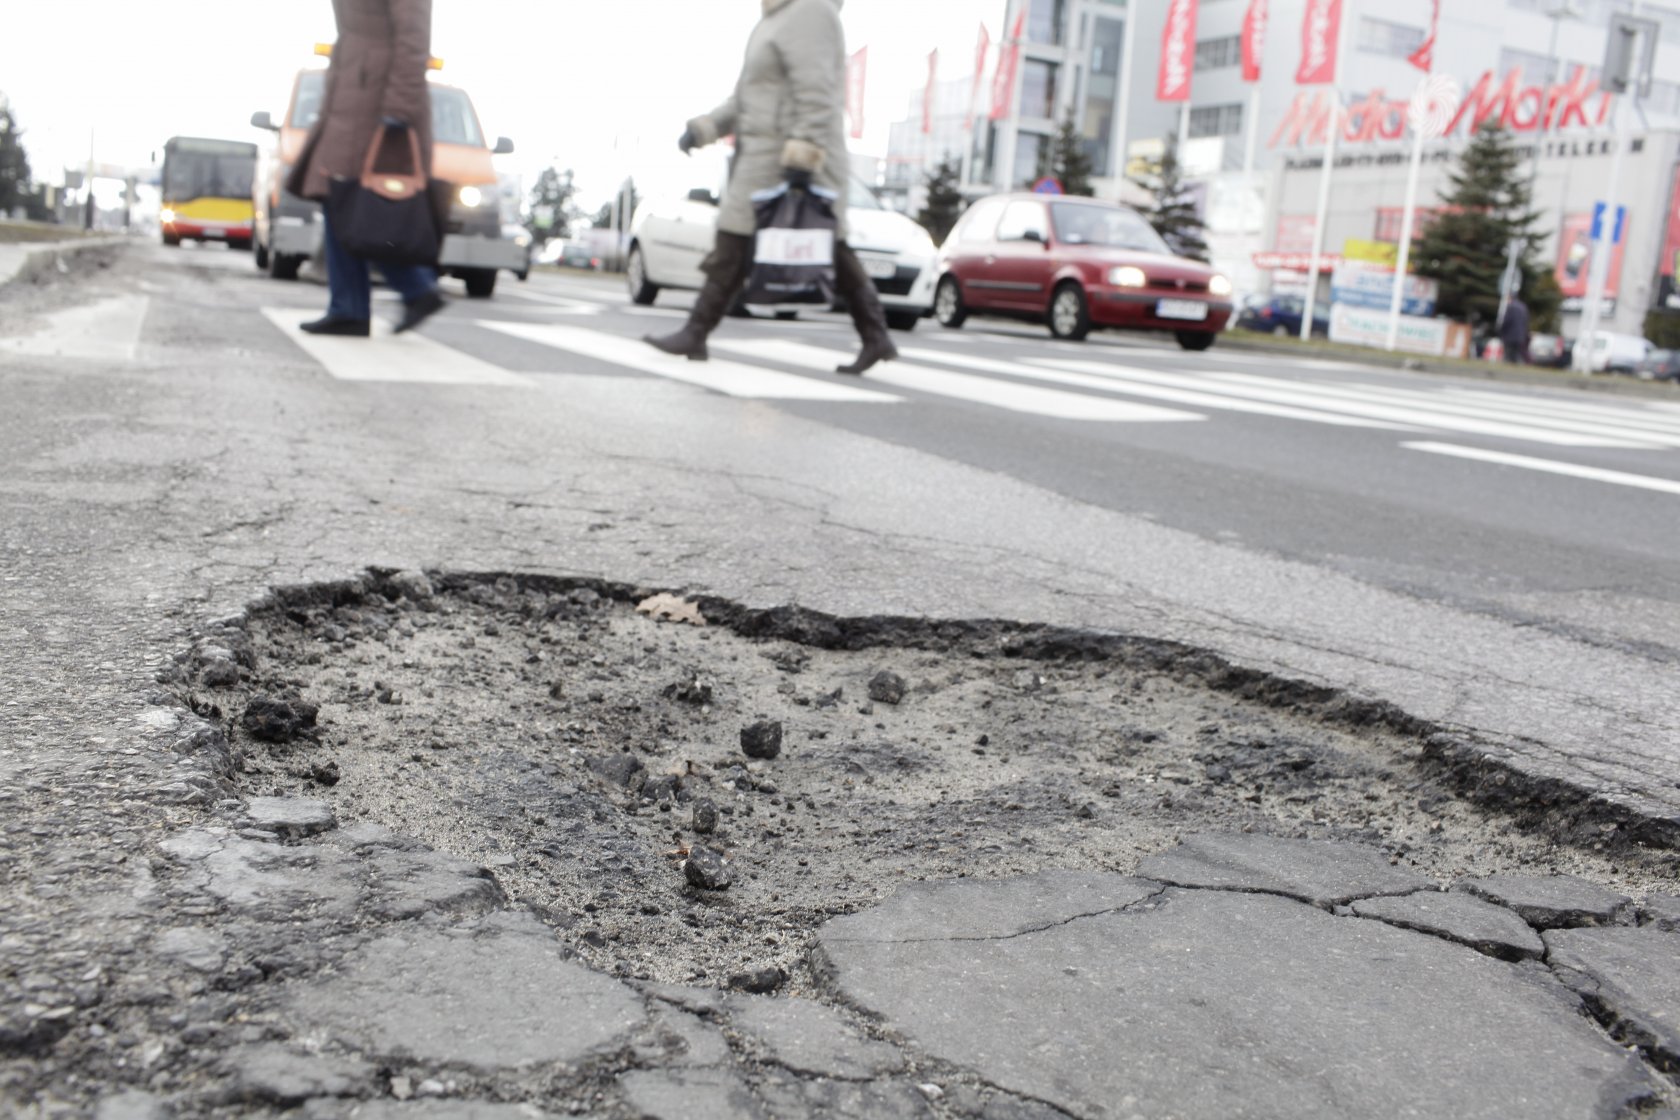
[{"x": 1281, "y": 315}]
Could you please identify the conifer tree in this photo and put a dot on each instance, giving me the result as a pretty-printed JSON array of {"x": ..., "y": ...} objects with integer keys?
[
  {"x": 14, "y": 164},
  {"x": 1173, "y": 210},
  {"x": 1488, "y": 204},
  {"x": 944, "y": 200},
  {"x": 1065, "y": 159}
]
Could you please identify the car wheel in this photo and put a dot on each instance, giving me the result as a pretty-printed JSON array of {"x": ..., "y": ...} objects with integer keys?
[
  {"x": 948, "y": 304},
  {"x": 481, "y": 283},
  {"x": 642, "y": 291},
  {"x": 1070, "y": 318},
  {"x": 903, "y": 320},
  {"x": 283, "y": 266},
  {"x": 172, "y": 242},
  {"x": 1196, "y": 340},
  {"x": 259, "y": 254}
]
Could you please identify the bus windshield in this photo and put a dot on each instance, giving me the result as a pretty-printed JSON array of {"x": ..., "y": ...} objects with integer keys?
[{"x": 207, "y": 169}]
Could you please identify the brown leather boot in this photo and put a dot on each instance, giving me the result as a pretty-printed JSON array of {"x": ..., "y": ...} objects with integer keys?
[
  {"x": 858, "y": 290},
  {"x": 726, "y": 267}
]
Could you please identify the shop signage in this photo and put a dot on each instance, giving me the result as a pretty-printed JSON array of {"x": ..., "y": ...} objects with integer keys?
[
  {"x": 1294, "y": 262},
  {"x": 1371, "y": 287},
  {"x": 1321, "y": 32},
  {"x": 1178, "y": 52},
  {"x": 1576, "y": 245},
  {"x": 1507, "y": 102},
  {"x": 1668, "y": 290},
  {"x": 1437, "y": 338}
]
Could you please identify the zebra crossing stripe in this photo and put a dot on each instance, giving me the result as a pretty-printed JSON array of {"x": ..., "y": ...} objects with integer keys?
[
  {"x": 386, "y": 357},
  {"x": 1006, "y": 395}
]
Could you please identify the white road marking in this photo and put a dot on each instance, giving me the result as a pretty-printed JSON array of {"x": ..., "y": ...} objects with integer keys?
[
  {"x": 387, "y": 357},
  {"x": 1549, "y": 466},
  {"x": 1630, "y": 414},
  {"x": 730, "y": 378},
  {"x": 564, "y": 305},
  {"x": 1301, "y": 394},
  {"x": 1591, "y": 432},
  {"x": 106, "y": 331},
  {"x": 978, "y": 390}
]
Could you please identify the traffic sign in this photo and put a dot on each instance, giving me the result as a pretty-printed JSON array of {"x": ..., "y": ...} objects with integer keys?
[
  {"x": 1048, "y": 185},
  {"x": 1599, "y": 209}
]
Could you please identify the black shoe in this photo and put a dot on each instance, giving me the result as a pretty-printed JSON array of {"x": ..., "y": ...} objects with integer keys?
[
  {"x": 689, "y": 343},
  {"x": 418, "y": 311},
  {"x": 349, "y": 328},
  {"x": 874, "y": 350}
]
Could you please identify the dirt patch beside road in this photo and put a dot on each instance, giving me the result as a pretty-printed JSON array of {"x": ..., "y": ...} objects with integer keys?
[{"x": 593, "y": 758}]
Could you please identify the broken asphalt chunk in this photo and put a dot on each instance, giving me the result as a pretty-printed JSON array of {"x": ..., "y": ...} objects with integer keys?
[
  {"x": 1630, "y": 979},
  {"x": 1323, "y": 873},
  {"x": 1552, "y": 901},
  {"x": 279, "y": 720},
  {"x": 1460, "y": 917}
]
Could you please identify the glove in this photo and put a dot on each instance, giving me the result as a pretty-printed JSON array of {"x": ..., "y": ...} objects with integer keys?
[
  {"x": 797, "y": 178},
  {"x": 396, "y": 123},
  {"x": 687, "y": 142}
]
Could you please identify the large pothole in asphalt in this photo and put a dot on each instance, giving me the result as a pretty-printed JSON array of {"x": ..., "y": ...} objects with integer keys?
[{"x": 576, "y": 747}]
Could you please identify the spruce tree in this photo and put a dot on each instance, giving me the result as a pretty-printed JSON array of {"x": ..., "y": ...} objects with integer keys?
[
  {"x": 14, "y": 164},
  {"x": 1173, "y": 211},
  {"x": 1065, "y": 159},
  {"x": 551, "y": 205},
  {"x": 944, "y": 200},
  {"x": 1487, "y": 205}
]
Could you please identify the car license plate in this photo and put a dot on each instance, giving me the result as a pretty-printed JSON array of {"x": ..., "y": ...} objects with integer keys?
[
  {"x": 1189, "y": 310},
  {"x": 880, "y": 270},
  {"x": 215, "y": 233}
]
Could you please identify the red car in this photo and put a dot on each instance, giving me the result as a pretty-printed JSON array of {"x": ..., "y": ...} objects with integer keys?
[{"x": 1075, "y": 264}]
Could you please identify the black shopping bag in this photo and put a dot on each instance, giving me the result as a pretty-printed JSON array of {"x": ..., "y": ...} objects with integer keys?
[
  {"x": 793, "y": 253},
  {"x": 390, "y": 215}
]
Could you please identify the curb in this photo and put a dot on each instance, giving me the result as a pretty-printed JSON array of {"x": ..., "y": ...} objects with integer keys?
[
  {"x": 27, "y": 261},
  {"x": 1564, "y": 380}
]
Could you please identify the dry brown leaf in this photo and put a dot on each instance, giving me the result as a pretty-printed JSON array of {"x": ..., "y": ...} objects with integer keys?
[{"x": 668, "y": 608}]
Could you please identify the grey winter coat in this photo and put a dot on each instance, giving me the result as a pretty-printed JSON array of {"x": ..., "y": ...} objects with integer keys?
[
  {"x": 788, "y": 108},
  {"x": 378, "y": 70}
]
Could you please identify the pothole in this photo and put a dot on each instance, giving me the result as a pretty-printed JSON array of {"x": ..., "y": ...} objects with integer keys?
[{"x": 549, "y": 731}]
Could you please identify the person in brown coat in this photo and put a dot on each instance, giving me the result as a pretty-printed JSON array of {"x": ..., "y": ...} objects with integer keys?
[
  {"x": 377, "y": 76},
  {"x": 787, "y": 115}
]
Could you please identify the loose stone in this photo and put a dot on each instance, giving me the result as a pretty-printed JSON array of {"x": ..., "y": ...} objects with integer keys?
[
  {"x": 277, "y": 720},
  {"x": 707, "y": 869},
  {"x": 759, "y": 981},
  {"x": 705, "y": 816},
  {"x": 762, "y": 739},
  {"x": 887, "y": 687}
]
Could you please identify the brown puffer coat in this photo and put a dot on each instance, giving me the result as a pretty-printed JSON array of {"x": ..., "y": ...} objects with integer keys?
[
  {"x": 378, "y": 70},
  {"x": 788, "y": 109}
]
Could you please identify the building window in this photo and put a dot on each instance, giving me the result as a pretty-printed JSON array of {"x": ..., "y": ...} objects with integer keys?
[
  {"x": 1108, "y": 38},
  {"x": 1219, "y": 54},
  {"x": 1038, "y": 89},
  {"x": 1029, "y": 149},
  {"x": 1047, "y": 22},
  {"x": 1535, "y": 68},
  {"x": 1216, "y": 120},
  {"x": 1396, "y": 40}
]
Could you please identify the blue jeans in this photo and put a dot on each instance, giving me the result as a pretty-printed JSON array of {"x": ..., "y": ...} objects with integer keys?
[{"x": 351, "y": 287}]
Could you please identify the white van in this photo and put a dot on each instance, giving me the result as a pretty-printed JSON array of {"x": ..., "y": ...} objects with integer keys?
[{"x": 1616, "y": 353}]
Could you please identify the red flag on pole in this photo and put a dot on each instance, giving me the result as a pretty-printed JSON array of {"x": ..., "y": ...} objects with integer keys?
[
  {"x": 1009, "y": 61},
  {"x": 1424, "y": 57},
  {"x": 857, "y": 73},
  {"x": 1321, "y": 32},
  {"x": 1254, "y": 39},
  {"x": 927, "y": 97},
  {"x": 1178, "y": 52},
  {"x": 980, "y": 52}
]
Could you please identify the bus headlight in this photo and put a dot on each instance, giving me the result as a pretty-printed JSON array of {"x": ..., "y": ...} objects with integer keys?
[
  {"x": 471, "y": 197},
  {"x": 1219, "y": 286},
  {"x": 1128, "y": 276},
  {"x": 167, "y": 216}
]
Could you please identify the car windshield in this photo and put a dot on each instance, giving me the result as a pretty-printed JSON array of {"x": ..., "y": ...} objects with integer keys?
[
  {"x": 1105, "y": 226},
  {"x": 452, "y": 118},
  {"x": 861, "y": 197}
]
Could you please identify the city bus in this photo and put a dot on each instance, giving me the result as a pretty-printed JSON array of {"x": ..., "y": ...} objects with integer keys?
[{"x": 207, "y": 191}]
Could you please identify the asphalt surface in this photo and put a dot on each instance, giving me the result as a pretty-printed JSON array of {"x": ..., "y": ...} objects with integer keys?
[{"x": 174, "y": 945}]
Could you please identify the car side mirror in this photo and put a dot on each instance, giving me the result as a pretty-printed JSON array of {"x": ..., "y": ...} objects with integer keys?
[
  {"x": 701, "y": 194},
  {"x": 1036, "y": 235},
  {"x": 504, "y": 147},
  {"x": 264, "y": 121}
]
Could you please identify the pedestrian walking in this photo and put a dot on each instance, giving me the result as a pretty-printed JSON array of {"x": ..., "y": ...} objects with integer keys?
[
  {"x": 788, "y": 118},
  {"x": 1513, "y": 331},
  {"x": 377, "y": 78}
]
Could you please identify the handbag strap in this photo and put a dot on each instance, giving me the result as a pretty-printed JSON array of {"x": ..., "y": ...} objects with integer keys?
[{"x": 395, "y": 186}]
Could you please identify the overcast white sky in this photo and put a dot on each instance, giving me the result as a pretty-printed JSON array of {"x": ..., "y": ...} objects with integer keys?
[{"x": 602, "y": 86}]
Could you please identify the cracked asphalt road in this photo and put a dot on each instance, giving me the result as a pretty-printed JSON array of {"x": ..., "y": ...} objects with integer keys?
[{"x": 165, "y": 956}]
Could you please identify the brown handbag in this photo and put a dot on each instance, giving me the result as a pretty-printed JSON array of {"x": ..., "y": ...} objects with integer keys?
[{"x": 389, "y": 215}]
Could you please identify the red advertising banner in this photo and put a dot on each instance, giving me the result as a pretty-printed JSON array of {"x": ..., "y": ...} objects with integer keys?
[
  {"x": 1424, "y": 57},
  {"x": 1321, "y": 35},
  {"x": 1574, "y": 263},
  {"x": 1178, "y": 52},
  {"x": 1254, "y": 39},
  {"x": 1009, "y": 61},
  {"x": 983, "y": 49},
  {"x": 1668, "y": 293},
  {"x": 928, "y": 94},
  {"x": 857, "y": 77}
]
